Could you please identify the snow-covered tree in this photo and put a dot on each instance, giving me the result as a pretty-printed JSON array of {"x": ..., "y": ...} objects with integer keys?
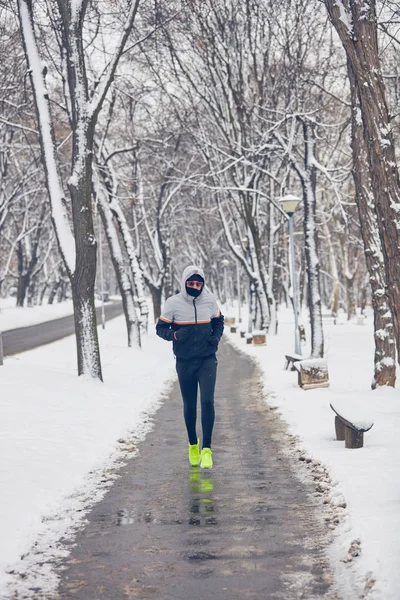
[
  {"x": 84, "y": 98},
  {"x": 356, "y": 24}
]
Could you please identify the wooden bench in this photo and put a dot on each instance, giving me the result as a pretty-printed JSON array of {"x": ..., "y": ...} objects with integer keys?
[
  {"x": 349, "y": 427},
  {"x": 290, "y": 360},
  {"x": 259, "y": 337},
  {"x": 312, "y": 373}
]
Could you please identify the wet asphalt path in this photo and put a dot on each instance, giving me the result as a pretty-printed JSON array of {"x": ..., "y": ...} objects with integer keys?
[
  {"x": 247, "y": 529},
  {"x": 27, "y": 338}
]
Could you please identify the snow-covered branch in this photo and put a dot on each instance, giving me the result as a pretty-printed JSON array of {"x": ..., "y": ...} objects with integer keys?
[
  {"x": 100, "y": 92},
  {"x": 56, "y": 194}
]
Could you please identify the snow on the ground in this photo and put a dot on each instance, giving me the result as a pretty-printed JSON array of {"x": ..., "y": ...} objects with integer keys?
[
  {"x": 59, "y": 438},
  {"x": 12, "y": 317},
  {"x": 362, "y": 485},
  {"x": 59, "y": 443}
]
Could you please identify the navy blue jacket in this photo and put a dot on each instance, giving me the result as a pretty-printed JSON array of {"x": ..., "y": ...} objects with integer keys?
[{"x": 200, "y": 316}]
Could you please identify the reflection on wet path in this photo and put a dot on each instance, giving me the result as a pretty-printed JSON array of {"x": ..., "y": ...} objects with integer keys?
[
  {"x": 202, "y": 507},
  {"x": 245, "y": 529}
]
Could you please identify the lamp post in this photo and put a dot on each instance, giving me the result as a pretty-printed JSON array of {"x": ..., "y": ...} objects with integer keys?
[
  {"x": 289, "y": 204},
  {"x": 225, "y": 263}
]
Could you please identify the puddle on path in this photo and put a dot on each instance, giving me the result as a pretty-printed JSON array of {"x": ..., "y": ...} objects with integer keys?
[{"x": 202, "y": 507}]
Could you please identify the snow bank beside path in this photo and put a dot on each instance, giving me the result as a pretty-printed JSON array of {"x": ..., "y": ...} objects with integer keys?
[
  {"x": 12, "y": 317},
  {"x": 366, "y": 480},
  {"x": 59, "y": 438}
]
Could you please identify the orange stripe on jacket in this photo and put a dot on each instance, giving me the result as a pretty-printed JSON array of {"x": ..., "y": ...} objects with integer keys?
[
  {"x": 165, "y": 320},
  {"x": 192, "y": 322}
]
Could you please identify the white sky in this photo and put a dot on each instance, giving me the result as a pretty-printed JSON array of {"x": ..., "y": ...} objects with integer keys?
[{"x": 44, "y": 478}]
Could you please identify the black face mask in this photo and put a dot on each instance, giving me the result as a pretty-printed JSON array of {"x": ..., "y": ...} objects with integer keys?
[{"x": 193, "y": 291}]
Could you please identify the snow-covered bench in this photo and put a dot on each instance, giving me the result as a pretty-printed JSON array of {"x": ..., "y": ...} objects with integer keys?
[
  {"x": 291, "y": 359},
  {"x": 351, "y": 423},
  {"x": 259, "y": 337},
  {"x": 312, "y": 373}
]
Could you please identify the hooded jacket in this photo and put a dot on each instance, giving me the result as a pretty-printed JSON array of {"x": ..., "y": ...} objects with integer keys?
[{"x": 201, "y": 316}]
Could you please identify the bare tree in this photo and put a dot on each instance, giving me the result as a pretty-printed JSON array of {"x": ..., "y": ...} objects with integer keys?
[
  {"x": 78, "y": 249},
  {"x": 307, "y": 173},
  {"x": 385, "y": 344},
  {"x": 356, "y": 24}
]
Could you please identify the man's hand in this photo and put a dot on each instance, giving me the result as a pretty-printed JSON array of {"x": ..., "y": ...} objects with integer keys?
[
  {"x": 181, "y": 334},
  {"x": 214, "y": 341}
]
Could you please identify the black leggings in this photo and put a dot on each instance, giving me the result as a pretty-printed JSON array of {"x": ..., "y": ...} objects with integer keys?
[{"x": 202, "y": 372}]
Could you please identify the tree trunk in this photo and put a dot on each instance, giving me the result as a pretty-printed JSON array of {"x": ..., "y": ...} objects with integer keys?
[
  {"x": 84, "y": 276},
  {"x": 53, "y": 290},
  {"x": 335, "y": 300},
  {"x": 334, "y": 272},
  {"x": 79, "y": 254},
  {"x": 385, "y": 347},
  {"x": 168, "y": 287},
  {"x": 263, "y": 316},
  {"x": 26, "y": 264},
  {"x": 156, "y": 295},
  {"x": 360, "y": 42},
  {"x": 310, "y": 242},
  {"x": 23, "y": 283},
  {"x": 279, "y": 271},
  {"x": 83, "y": 248},
  {"x": 62, "y": 290},
  {"x": 364, "y": 294},
  {"x": 124, "y": 283},
  {"x": 83, "y": 279},
  {"x": 31, "y": 293},
  {"x": 23, "y": 276},
  {"x": 273, "y": 326},
  {"x": 43, "y": 292},
  {"x": 350, "y": 297},
  {"x": 134, "y": 263}
]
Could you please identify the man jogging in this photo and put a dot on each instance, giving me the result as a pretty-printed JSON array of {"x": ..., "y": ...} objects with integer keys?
[{"x": 194, "y": 324}]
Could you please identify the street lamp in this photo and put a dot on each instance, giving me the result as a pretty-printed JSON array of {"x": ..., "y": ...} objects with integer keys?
[
  {"x": 225, "y": 263},
  {"x": 289, "y": 204}
]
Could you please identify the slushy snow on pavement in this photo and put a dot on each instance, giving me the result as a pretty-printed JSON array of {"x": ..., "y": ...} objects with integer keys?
[{"x": 60, "y": 438}]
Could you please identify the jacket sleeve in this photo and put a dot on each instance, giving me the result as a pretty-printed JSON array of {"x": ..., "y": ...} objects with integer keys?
[
  {"x": 217, "y": 321},
  {"x": 163, "y": 327}
]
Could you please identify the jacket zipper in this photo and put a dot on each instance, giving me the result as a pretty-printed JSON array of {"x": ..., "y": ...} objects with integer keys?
[{"x": 195, "y": 327}]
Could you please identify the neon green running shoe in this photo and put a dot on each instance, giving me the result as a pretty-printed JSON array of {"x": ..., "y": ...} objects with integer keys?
[
  {"x": 194, "y": 454},
  {"x": 206, "y": 459}
]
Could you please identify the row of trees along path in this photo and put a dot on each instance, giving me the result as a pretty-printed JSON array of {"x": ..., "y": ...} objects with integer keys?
[{"x": 184, "y": 130}]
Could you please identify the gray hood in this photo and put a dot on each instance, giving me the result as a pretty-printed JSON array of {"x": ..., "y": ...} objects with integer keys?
[{"x": 188, "y": 272}]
